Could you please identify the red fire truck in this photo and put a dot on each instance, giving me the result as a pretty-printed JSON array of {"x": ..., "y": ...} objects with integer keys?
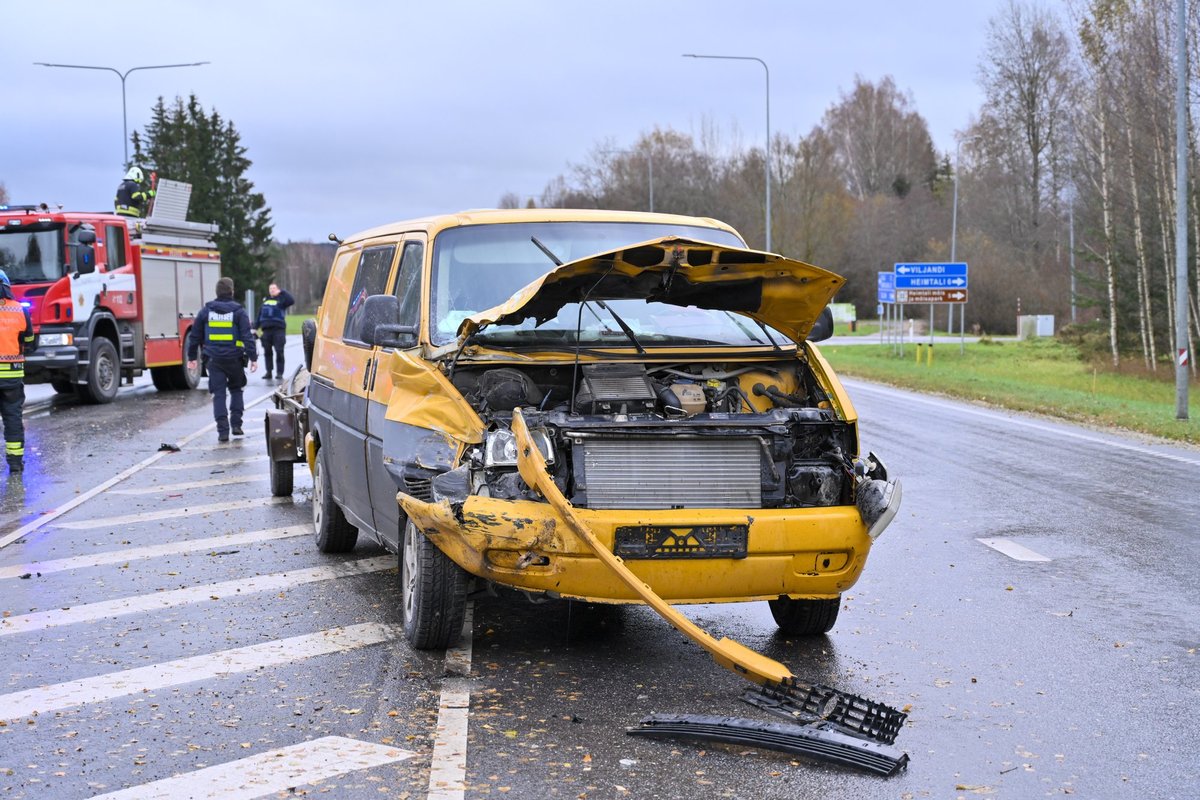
[{"x": 110, "y": 296}]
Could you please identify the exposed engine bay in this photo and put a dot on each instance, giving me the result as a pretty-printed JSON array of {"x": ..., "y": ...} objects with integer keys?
[{"x": 679, "y": 435}]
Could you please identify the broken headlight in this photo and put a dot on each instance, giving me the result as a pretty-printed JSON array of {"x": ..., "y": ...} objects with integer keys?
[{"x": 500, "y": 447}]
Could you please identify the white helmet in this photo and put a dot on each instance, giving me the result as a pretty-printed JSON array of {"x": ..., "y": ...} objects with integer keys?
[{"x": 135, "y": 174}]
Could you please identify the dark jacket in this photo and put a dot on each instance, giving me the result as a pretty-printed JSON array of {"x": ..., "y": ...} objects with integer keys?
[
  {"x": 132, "y": 198},
  {"x": 223, "y": 327},
  {"x": 271, "y": 312}
]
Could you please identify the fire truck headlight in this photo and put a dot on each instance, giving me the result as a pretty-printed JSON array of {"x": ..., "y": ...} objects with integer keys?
[{"x": 55, "y": 339}]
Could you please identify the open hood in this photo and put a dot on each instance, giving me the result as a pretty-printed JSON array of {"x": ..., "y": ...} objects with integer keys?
[{"x": 788, "y": 295}]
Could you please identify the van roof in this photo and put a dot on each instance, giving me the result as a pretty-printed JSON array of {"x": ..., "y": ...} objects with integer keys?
[{"x": 491, "y": 216}]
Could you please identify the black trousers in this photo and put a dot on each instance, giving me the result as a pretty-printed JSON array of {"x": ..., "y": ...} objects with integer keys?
[
  {"x": 12, "y": 399},
  {"x": 223, "y": 376},
  {"x": 273, "y": 340}
]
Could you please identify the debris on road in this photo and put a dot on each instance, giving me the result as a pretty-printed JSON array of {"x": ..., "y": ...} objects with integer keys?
[{"x": 819, "y": 740}]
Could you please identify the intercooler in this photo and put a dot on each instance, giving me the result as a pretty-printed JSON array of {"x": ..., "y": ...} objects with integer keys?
[{"x": 676, "y": 472}]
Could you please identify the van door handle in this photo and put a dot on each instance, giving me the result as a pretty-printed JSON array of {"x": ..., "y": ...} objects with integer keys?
[
  {"x": 374, "y": 372},
  {"x": 367, "y": 373}
]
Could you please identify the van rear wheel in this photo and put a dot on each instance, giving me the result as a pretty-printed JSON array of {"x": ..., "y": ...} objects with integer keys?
[
  {"x": 334, "y": 532},
  {"x": 433, "y": 592},
  {"x": 805, "y": 617}
]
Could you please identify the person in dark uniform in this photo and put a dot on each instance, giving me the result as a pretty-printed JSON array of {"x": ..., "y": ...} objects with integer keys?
[
  {"x": 134, "y": 193},
  {"x": 223, "y": 326},
  {"x": 16, "y": 342},
  {"x": 272, "y": 327}
]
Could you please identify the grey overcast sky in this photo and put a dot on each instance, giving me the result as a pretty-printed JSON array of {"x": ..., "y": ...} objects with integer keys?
[{"x": 359, "y": 113}]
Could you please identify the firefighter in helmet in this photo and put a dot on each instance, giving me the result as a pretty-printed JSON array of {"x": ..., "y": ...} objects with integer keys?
[
  {"x": 134, "y": 193},
  {"x": 16, "y": 342}
]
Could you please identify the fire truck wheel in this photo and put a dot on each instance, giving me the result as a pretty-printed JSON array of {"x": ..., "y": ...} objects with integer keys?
[
  {"x": 334, "y": 532},
  {"x": 805, "y": 617},
  {"x": 62, "y": 386},
  {"x": 185, "y": 379},
  {"x": 162, "y": 378},
  {"x": 103, "y": 374}
]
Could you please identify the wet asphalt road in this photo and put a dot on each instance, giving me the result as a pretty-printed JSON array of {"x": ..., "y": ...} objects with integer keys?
[{"x": 1076, "y": 674}]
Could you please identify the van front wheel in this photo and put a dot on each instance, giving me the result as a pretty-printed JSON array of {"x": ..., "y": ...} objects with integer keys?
[
  {"x": 805, "y": 617},
  {"x": 433, "y": 592}
]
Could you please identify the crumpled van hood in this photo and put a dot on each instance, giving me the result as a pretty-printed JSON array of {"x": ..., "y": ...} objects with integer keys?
[{"x": 786, "y": 294}]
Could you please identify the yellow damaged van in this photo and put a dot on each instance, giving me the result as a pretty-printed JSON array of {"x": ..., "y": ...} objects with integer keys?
[{"x": 614, "y": 407}]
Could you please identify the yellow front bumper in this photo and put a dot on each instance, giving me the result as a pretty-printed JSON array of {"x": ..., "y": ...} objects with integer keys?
[{"x": 809, "y": 552}]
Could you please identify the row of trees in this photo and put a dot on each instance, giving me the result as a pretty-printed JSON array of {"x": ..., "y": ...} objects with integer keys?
[
  {"x": 1074, "y": 141},
  {"x": 184, "y": 142}
]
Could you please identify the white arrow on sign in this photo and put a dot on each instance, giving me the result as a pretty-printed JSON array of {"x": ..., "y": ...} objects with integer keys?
[
  {"x": 903, "y": 270},
  {"x": 958, "y": 281},
  {"x": 957, "y": 295}
]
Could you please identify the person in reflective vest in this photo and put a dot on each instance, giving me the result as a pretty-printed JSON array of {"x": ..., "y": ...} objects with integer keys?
[
  {"x": 134, "y": 193},
  {"x": 223, "y": 328},
  {"x": 272, "y": 327},
  {"x": 16, "y": 342}
]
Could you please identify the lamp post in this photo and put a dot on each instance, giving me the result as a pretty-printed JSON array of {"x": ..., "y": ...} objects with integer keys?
[
  {"x": 767, "y": 152},
  {"x": 649, "y": 168},
  {"x": 962, "y": 321},
  {"x": 122, "y": 76}
]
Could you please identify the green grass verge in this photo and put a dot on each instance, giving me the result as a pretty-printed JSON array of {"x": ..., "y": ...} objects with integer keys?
[
  {"x": 1039, "y": 375},
  {"x": 294, "y": 321}
]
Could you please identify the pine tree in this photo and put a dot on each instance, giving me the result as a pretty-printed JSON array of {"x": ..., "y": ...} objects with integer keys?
[{"x": 185, "y": 143}]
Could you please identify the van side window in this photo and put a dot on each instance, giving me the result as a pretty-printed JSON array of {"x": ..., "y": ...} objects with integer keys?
[
  {"x": 408, "y": 283},
  {"x": 371, "y": 278},
  {"x": 114, "y": 247}
]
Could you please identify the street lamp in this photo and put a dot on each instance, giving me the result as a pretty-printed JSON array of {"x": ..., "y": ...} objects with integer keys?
[
  {"x": 767, "y": 153},
  {"x": 962, "y": 321},
  {"x": 122, "y": 76},
  {"x": 649, "y": 168}
]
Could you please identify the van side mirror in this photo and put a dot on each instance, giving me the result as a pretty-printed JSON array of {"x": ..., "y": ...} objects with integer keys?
[
  {"x": 822, "y": 329},
  {"x": 381, "y": 323}
]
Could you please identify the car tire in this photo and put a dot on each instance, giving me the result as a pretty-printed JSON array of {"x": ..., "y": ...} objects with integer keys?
[
  {"x": 334, "y": 532},
  {"x": 805, "y": 617},
  {"x": 433, "y": 592},
  {"x": 282, "y": 478},
  {"x": 103, "y": 374},
  {"x": 308, "y": 341}
]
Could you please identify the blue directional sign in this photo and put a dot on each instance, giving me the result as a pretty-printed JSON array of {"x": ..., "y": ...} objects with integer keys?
[
  {"x": 931, "y": 276},
  {"x": 887, "y": 287}
]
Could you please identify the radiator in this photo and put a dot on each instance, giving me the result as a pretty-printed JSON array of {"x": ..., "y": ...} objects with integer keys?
[{"x": 679, "y": 472}]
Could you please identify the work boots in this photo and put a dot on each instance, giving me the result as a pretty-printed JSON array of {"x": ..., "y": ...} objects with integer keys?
[{"x": 16, "y": 464}]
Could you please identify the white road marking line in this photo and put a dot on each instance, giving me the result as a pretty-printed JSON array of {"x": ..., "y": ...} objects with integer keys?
[
  {"x": 53, "y": 514},
  {"x": 1011, "y": 417},
  {"x": 213, "y": 462},
  {"x": 188, "y": 485},
  {"x": 172, "y": 513},
  {"x": 153, "y": 551},
  {"x": 55, "y": 697},
  {"x": 448, "y": 769},
  {"x": 267, "y": 773},
  {"x": 1013, "y": 550},
  {"x": 137, "y": 604}
]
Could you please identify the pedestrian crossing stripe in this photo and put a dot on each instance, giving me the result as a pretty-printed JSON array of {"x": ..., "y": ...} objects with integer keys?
[
  {"x": 279, "y": 770},
  {"x": 157, "y": 601},
  {"x": 58, "y": 696}
]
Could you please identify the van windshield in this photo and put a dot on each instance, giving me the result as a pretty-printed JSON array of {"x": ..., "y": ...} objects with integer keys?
[
  {"x": 32, "y": 254},
  {"x": 477, "y": 267}
]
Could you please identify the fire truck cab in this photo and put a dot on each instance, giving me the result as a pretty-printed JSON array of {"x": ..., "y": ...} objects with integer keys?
[{"x": 110, "y": 296}]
